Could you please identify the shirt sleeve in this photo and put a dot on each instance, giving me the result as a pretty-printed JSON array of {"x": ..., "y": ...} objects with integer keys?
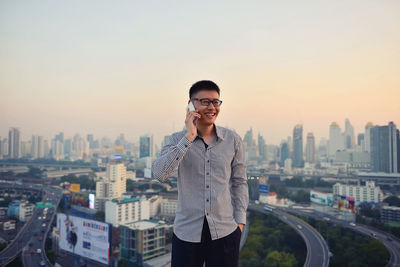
[
  {"x": 239, "y": 189},
  {"x": 171, "y": 155}
]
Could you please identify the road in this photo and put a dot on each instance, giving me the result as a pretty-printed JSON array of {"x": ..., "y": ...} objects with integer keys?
[
  {"x": 317, "y": 248},
  {"x": 29, "y": 236},
  {"x": 391, "y": 243}
]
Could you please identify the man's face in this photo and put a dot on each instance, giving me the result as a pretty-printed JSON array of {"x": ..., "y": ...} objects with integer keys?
[{"x": 208, "y": 113}]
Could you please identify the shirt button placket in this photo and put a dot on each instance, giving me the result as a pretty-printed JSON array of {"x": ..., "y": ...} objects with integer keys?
[{"x": 207, "y": 182}]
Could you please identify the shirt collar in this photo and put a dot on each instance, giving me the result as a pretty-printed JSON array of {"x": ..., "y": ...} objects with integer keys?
[{"x": 218, "y": 130}]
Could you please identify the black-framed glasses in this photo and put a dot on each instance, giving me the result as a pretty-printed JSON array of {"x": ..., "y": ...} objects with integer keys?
[{"x": 206, "y": 102}]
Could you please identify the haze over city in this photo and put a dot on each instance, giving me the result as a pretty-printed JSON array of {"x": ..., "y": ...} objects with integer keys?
[{"x": 96, "y": 67}]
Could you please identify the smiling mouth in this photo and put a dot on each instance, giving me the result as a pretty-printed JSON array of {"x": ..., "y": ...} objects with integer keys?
[{"x": 210, "y": 115}]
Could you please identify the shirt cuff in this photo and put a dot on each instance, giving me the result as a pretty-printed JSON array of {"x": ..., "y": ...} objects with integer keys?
[
  {"x": 240, "y": 217},
  {"x": 184, "y": 144}
]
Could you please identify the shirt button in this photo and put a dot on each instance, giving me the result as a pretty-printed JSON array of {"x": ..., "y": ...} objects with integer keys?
[
  {"x": 208, "y": 200},
  {"x": 207, "y": 186},
  {"x": 177, "y": 158},
  {"x": 207, "y": 213},
  {"x": 185, "y": 145},
  {"x": 208, "y": 160},
  {"x": 208, "y": 173}
]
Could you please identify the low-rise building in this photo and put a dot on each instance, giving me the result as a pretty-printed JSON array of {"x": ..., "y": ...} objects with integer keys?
[
  {"x": 168, "y": 206},
  {"x": 141, "y": 241},
  {"x": 390, "y": 215},
  {"x": 13, "y": 208},
  {"x": 127, "y": 210},
  {"x": 155, "y": 203},
  {"x": 8, "y": 225},
  {"x": 25, "y": 211},
  {"x": 368, "y": 193}
]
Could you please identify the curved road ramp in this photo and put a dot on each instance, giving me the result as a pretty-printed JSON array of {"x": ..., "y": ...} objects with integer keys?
[{"x": 317, "y": 248}]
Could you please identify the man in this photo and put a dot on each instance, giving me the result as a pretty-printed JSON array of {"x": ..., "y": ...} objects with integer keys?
[{"x": 212, "y": 184}]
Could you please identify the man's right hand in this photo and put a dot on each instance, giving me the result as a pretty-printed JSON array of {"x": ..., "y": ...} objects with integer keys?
[{"x": 191, "y": 129}]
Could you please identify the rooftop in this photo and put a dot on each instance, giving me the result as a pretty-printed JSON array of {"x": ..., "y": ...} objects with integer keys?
[{"x": 144, "y": 225}]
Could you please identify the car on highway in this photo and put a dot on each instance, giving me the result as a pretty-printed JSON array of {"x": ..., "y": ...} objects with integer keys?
[
  {"x": 373, "y": 234},
  {"x": 32, "y": 251},
  {"x": 38, "y": 251},
  {"x": 42, "y": 263},
  {"x": 39, "y": 218},
  {"x": 44, "y": 225},
  {"x": 41, "y": 238},
  {"x": 299, "y": 226},
  {"x": 352, "y": 224}
]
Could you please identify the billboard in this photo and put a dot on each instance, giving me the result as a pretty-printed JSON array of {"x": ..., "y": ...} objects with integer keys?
[
  {"x": 80, "y": 199},
  {"x": 263, "y": 189},
  {"x": 346, "y": 203},
  {"x": 91, "y": 201},
  {"x": 84, "y": 237},
  {"x": 75, "y": 188},
  {"x": 321, "y": 198}
]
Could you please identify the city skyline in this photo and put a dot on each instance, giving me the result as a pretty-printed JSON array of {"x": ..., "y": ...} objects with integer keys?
[
  {"x": 69, "y": 134},
  {"x": 106, "y": 69}
]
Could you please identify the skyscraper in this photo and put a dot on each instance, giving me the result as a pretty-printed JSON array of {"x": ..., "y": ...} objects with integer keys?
[
  {"x": 367, "y": 136},
  {"x": 349, "y": 139},
  {"x": 35, "y": 147},
  {"x": 335, "y": 139},
  {"x": 250, "y": 145},
  {"x": 262, "y": 148},
  {"x": 146, "y": 146},
  {"x": 310, "y": 148},
  {"x": 384, "y": 148},
  {"x": 14, "y": 143},
  {"x": 298, "y": 146},
  {"x": 285, "y": 152}
]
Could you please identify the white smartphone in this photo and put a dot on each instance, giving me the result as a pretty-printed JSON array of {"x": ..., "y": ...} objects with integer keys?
[{"x": 192, "y": 108}]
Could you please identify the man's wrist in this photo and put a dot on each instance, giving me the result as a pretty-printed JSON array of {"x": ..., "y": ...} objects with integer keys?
[{"x": 189, "y": 136}]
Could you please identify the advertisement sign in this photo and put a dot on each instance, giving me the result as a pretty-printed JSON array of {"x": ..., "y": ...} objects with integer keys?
[
  {"x": 75, "y": 188},
  {"x": 91, "y": 201},
  {"x": 84, "y": 237},
  {"x": 263, "y": 189},
  {"x": 346, "y": 203},
  {"x": 80, "y": 199},
  {"x": 321, "y": 198}
]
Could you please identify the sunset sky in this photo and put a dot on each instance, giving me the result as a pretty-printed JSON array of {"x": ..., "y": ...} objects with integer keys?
[{"x": 110, "y": 67}]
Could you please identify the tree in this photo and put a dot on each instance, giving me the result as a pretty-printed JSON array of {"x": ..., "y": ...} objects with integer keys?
[
  {"x": 279, "y": 259},
  {"x": 392, "y": 201}
]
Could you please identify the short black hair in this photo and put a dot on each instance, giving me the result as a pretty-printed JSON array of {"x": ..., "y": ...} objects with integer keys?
[{"x": 203, "y": 85}]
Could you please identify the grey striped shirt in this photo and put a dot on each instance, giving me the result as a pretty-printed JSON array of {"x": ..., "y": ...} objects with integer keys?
[{"x": 212, "y": 182}]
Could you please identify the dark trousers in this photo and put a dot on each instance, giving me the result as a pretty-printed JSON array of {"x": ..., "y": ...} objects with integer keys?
[{"x": 222, "y": 252}]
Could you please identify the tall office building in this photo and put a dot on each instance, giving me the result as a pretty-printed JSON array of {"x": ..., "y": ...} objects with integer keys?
[
  {"x": 335, "y": 139},
  {"x": 298, "y": 161},
  {"x": 146, "y": 146},
  {"x": 367, "y": 136},
  {"x": 262, "y": 148},
  {"x": 310, "y": 148},
  {"x": 112, "y": 186},
  {"x": 37, "y": 147},
  {"x": 349, "y": 139},
  {"x": 14, "y": 143},
  {"x": 250, "y": 145},
  {"x": 284, "y": 153},
  {"x": 361, "y": 141},
  {"x": 384, "y": 148}
]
